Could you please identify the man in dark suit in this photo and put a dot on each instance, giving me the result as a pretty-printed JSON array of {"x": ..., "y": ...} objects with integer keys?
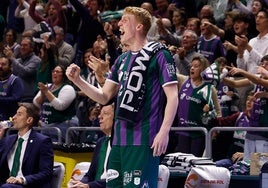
[
  {"x": 35, "y": 162},
  {"x": 96, "y": 175}
]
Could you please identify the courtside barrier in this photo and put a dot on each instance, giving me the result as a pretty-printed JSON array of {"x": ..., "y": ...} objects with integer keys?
[
  {"x": 209, "y": 137},
  {"x": 40, "y": 129}
]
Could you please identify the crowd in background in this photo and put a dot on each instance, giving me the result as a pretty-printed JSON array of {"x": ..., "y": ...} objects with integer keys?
[{"x": 40, "y": 38}]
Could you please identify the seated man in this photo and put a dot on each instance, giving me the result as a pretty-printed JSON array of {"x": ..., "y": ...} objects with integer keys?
[
  {"x": 96, "y": 175},
  {"x": 26, "y": 158},
  {"x": 11, "y": 90}
]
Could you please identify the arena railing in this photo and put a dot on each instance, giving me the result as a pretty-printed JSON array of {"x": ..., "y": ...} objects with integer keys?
[
  {"x": 70, "y": 129},
  {"x": 209, "y": 137},
  {"x": 40, "y": 129}
]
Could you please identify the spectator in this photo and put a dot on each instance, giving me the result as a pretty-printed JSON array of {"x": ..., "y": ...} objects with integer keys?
[
  {"x": 206, "y": 12},
  {"x": 22, "y": 11},
  {"x": 65, "y": 50},
  {"x": 73, "y": 22},
  {"x": 209, "y": 44},
  {"x": 56, "y": 101},
  {"x": 35, "y": 162},
  {"x": 240, "y": 28},
  {"x": 255, "y": 141},
  {"x": 186, "y": 52},
  {"x": 194, "y": 25},
  {"x": 10, "y": 41},
  {"x": 84, "y": 103},
  {"x": 25, "y": 67},
  {"x": 92, "y": 121},
  {"x": 150, "y": 105},
  {"x": 113, "y": 44},
  {"x": 54, "y": 15},
  {"x": 100, "y": 48},
  {"x": 49, "y": 60},
  {"x": 2, "y": 27},
  {"x": 227, "y": 96},
  {"x": 11, "y": 88},
  {"x": 89, "y": 19},
  {"x": 252, "y": 10},
  {"x": 228, "y": 101},
  {"x": 194, "y": 95},
  {"x": 162, "y": 10},
  {"x": 173, "y": 37},
  {"x": 238, "y": 119},
  {"x": 153, "y": 34},
  {"x": 251, "y": 52},
  {"x": 14, "y": 23},
  {"x": 97, "y": 174}
]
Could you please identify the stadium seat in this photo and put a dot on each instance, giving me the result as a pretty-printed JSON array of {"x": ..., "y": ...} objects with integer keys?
[
  {"x": 163, "y": 176},
  {"x": 58, "y": 174}
]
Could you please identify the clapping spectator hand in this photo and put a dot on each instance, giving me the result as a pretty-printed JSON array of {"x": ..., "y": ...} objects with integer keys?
[
  {"x": 8, "y": 52},
  {"x": 99, "y": 66},
  {"x": 261, "y": 94},
  {"x": 108, "y": 29},
  {"x": 262, "y": 71},
  {"x": 181, "y": 52},
  {"x": 229, "y": 46},
  {"x": 43, "y": 88},
  {"x": 234, "y": 70},
  {"x": 241, "y": 41}
]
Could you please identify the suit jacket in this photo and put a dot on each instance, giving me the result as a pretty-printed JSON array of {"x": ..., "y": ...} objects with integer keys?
[
  {"x": 37, "y": 165},
  {"x": 89, "y": 177}
]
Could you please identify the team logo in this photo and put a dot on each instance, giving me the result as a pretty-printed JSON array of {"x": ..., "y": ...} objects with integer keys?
[
  {"x": 137, "y": 181},
  {"x": 191, "y": 181},
  {"x": 112, "y": 174},
  {"x": 127, "y": 178},
  {"x": 182, "y": 96}
]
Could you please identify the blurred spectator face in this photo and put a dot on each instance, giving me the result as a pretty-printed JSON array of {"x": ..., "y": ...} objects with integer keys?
[
  {"x": 176, "y": 18},
  {"x": 261, "y": 21},
  {"x": 188, "y": 40},
  {"x": 59, "y": 37},
  {"x": 240, "y": 27},
  {"x": 87, "y": 56},
  {"x": 114, "y": 24},
  {"x": 206, "y": 11},
  {"x": 249, "y": 103},
  {"x": 9, "y": 38},
  {"x": 194, "y": 26},
  {"x": 195, "y": 69},
  {"x": 203, "y": 27},
  {"x": 228, "y": 22},
  {"x": 57, "y": 75},
  {"x": 52, "y": 12},
  {"x": 94, "y": 112},
  {"x": 93, "y": 8},
  {"x": 148, "y": 7},
  {"x": 99, "y": 47},
  {"x": 25, "y": 47},
  {"x": 106, "y": 118},
  {"x": 5, "y": 68},
  {"x": 161, "y": 5},
  {"x": 256, "y": 7},
  {"x": 264, "y": 64}
]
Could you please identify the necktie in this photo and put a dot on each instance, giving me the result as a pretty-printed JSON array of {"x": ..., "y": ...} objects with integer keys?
[
  {"x": 16, "y": 160},
  {"x": 102, "y": 156}
]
